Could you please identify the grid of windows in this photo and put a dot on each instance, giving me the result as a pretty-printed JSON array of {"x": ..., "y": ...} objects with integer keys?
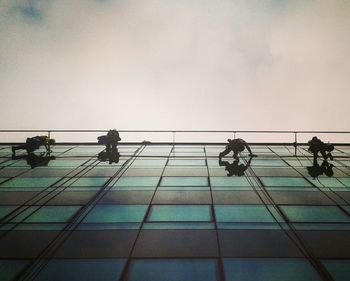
[{"x": 168, "y": 212}]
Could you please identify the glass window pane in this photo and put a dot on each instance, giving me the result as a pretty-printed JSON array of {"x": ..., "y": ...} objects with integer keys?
[
  {"x": 284, "y": 181},
  {"x": 179, "y": 213},
  {"x": 242, "y": 213},
  {"x": 339, "y": 269},
  {"x": 138, "y": 181},
  {"x": 184, "y": 181},
  {"x": 53, "y": 214},
  {"x": 174, "y": 270},
  {"x": 82, "y": 270},
  {"x": 9, "y": 269},
  {"x": 4, "y": 210},
  {"x": 315, "y": 214},
  {"x": 116, "y": 213},
  {"x": 269, "y": 270},
  {"x": 30, "y": 182}
]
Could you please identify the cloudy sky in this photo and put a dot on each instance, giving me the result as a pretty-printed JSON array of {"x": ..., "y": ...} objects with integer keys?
[{"x": 184, "y": 64}]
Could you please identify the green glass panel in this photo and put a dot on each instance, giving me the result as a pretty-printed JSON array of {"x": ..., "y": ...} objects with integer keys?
[
  {"x": 9, "y": 269},
  {"x": 54, "y": 214},
  {"x": 284, "y": 181},
  {"x": 326, "y": 182},
  {"x": 30, "y": 182},
  {"x": 339, "y": 269},
  {"x": 269, "y": 270},
  {"x": 116, "y": 213},
  {"x": 345, "y": 181},
  {"x": 138, "y": 181},
  {"x": 82, "y": 270},
  {"x": 173, "y": 270},
  {"x": 179, "y": 213},
  {"x": 242, "y": 213},
  {"x": 149, "y": 163},
  {"x": 230, "y": 181},
  {"x": 315, "y": 214},
  {"x": 82, "y": 182},
  {"x": 4, "y": 210},
  {"x": 184, "y": 181}
]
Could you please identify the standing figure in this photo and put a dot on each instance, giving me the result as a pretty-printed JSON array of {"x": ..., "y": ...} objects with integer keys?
[
  {"x": 34, "y": 143},
  {"x": 236, "y": 146},
  {"x": 316, "y": 146}
]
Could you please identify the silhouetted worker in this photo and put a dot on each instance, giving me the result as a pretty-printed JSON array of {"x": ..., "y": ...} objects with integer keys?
[
  {"x": 34, "y": 143},
  {"x": 112, "y": 156},
  {"x": 316, "y": 170},
  {"x": 235, "y": 168},
  {"x": 110, "y": 140},
  {"x": 236, "y": 146},
  {"x": 36, "y": 160},
  {"x": 316, "y": 146}
]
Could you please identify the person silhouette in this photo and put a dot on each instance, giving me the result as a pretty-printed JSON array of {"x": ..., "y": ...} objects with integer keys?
[
  {"x": 317, "y": 170},
  {"x": 317, "y": 146},
  {"x": 236, "y": 146},
  {"x": 110, "y": 140},
  {"x": 111, "y": 157},
  {"x": 34, "y": 143},
  {"x": 34, "y": 160},
  {"x": 235, "y": 168}
]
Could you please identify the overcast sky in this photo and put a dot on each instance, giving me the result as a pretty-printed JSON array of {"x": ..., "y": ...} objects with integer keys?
[{"x": 184, "y": 64}]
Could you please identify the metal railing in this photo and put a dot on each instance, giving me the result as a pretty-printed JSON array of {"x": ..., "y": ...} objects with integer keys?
[{"x": 70, "y": 136}]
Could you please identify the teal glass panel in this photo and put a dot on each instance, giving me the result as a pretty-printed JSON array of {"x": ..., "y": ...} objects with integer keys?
[
  {"x": 82, "y": 270},
  {"x": 9, "y": 269},
  {"x": 138, "y": 181},
  {"x": 173, "y": 270},
  {"x": 184, "y": 181},
  {"x": 4, "y": 210},
  {"x": 83, "y": 182},
  {"x": 345, "y": 181},
  {"x": 3, "y": 179},
  {"x": 242, "y": 213},
  {"x": 230, "y": 181},
  {"x": 54, "y": 214},
  {"x": 178, "y": 225},
  {"x": 179, "y": 213},
  {"x": 284, "y": 181},
  {"x": 30, "y": 182},
  {"x": 269, "y": 270},
  {"x": 326, "y": 182},
  {"x": 149, "y": 163},
  {"x": 116, "y": 213},
  {"x": 339, "y": 269},
  {"x": 315, "y": 214}
]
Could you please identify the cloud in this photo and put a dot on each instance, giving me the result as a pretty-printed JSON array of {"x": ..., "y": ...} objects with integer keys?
[{"x": 174, "y": 64}]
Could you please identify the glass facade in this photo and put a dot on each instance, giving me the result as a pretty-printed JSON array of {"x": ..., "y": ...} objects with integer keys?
[{"x": 170, "y": 212}]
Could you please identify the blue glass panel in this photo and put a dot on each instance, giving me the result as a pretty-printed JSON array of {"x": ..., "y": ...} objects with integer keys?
[
  {"x": 82, "y": 182},
  {"x": 9, "y": 269},
  {"x": 82, "y": 270},
  {"x": 269, "y": 270},
  {"x": 116, "y": 213},
  {"x": 173, "y": 270},
  {"x": 179, "y": 213},
  {"x": 339, "y": 269}
]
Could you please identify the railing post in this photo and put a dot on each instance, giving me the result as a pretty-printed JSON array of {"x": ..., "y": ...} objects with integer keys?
[{"x": 295, "y": 143}]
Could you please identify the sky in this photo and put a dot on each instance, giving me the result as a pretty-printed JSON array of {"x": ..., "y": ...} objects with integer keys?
[{"x": 178, "y": 65}]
